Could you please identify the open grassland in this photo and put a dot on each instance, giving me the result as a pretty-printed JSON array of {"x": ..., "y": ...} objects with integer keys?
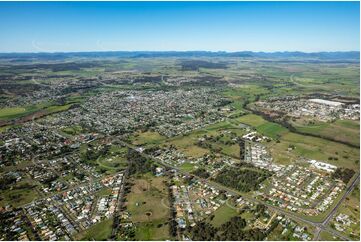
[
  {"x": 252, "y": 120},
  {"x": 17, "y": 112},
  {"x": 7, "y": 114},
  {"x": 98, "y": 232},
  {"x": 58, "y": 108},
  {"x": 341, "y": 130},
  {"x": 269, "y": 129},
  {"x": 148, "y": 231},
  {"x": 243, "y": 94},
  {"x": 222, "y": 215},
  {"x": 147, "y": 138},
  {"x": 326, "y": 236},
  {"x": 22, "y": 193},
  {"x": 188, "y": 143},
  {"x": 316, "y": 148},
  {"x": 72, "y": 130},
  {"x": 187, "y": 167},
  {"x": 41, "y": 109},
  {"x": 11, "y": 112},
  {"x": 149, "y": 207}
]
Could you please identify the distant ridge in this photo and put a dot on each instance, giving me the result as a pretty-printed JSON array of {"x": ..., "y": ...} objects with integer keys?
[{"x": 338, "y": 55}]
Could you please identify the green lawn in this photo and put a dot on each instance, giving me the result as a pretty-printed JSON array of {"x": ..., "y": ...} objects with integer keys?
[
  {"x": 152, "y": 231},
  {"x": 223, "y": 214},
  {"x": 187, "y": 167},
  {"x": 111, "y": 163},
  {"x": 99, "y": 231},
  {"x": 17, "y": 112}
]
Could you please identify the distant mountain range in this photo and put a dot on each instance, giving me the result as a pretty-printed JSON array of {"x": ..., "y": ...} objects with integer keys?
[{"x": 339, "y": 55}]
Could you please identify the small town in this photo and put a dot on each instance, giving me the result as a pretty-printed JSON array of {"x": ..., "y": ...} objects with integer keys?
[{"x": 180, "y": 121}]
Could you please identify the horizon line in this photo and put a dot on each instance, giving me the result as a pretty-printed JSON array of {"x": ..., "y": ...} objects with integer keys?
[{"x": 209, "y": 51}]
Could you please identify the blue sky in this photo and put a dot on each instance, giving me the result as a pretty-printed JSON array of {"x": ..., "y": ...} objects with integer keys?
[{"x": 228, "y": 26}]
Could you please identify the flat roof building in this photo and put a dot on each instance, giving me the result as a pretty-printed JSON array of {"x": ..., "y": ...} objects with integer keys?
[{"x": 326, "y": 102}]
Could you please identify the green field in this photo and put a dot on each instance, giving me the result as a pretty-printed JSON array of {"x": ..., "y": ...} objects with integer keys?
[
  {"x": 11, "y": 112},
  {"x": 19, "y": 195},
  {"x": 151, "y": 231},
  {"x": 223, "y": 214},
  {"x": 187, "y": 167},
  {"x": 58, "y": 108},
  {"x": 147, "y": 138},
  {"x": 341, "y": 130},
  {"x": 149, "y": 208},
  {"x": 111, "y": 162},
  {"x": 269, "y": 129},
  {"x": 115, "y": 161},
  {"x": 315, "y": 148},
  {"x": 326, "y": 236},
  {"x": 99, "y": 231},
  {"x": 17, "y": 112},
  {"x": 73, "y": 130},
  {"x": 187, "y": 143}
]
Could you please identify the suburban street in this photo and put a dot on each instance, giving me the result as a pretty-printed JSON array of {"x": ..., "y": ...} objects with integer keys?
[{"x": 319, "y": 226}]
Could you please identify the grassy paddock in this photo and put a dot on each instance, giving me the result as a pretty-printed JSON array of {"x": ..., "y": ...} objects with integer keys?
[
  {"x": 99, "y": 231},
  {"x": 149, "y": 208},
  {"x": 340, "y": 130},
  {"x": 223, "y": 214},
  {"x": 147, "y": 138}
]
